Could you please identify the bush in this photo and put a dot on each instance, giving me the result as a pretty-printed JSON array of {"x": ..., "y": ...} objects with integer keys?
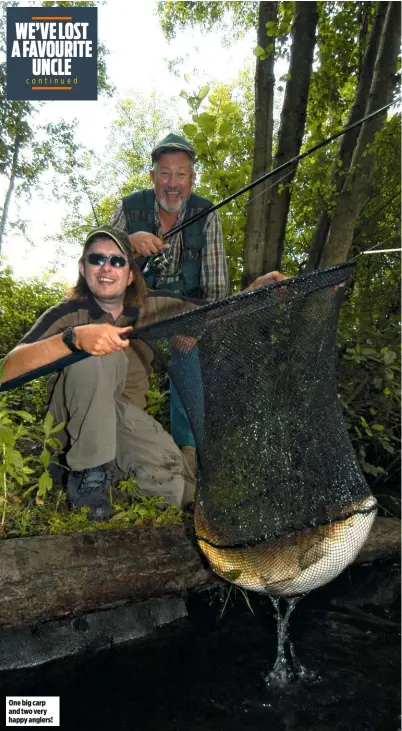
[
  {"x": 30, "y": 502},
  {"x": 21, "y": 303},
  {"x": 369, "y": 368}
]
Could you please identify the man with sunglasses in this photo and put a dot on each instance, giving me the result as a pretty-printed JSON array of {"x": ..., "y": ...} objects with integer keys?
[
  {"x": 108, "y": 434},
  {"x": 192, "y": 262}
]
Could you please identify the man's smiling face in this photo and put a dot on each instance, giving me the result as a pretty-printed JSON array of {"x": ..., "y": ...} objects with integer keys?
[
  {"x": 172, "y": 177},
  {"x": 107, "y": 283}
]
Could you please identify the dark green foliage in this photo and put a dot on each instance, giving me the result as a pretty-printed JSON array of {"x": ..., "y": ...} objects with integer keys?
[
  {"x": 369, "y": 363},
  {"x": 222, "y": 134},
  {"x": 158, "y": 398},
  {"x": 238, "y": 16},
  {"x": 222, "y": 129},
  {"x": 21, "y": 303},
  {"x": 30, "y": 502}
]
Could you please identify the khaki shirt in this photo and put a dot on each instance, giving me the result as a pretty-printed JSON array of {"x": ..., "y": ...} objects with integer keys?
[{"x": 159, "y": 305}]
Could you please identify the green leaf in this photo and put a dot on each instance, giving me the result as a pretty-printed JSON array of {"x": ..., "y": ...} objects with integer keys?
[
  {"x": 7, "y": 437},
  {"x": 225, "y": 127},
  {"x": 259, "y": 52},
  {"x": 207, "y": 122},
  {"x": 45, "y": 457},
  {"x": 54, "y": 443},
  {"x": 58, "y": 427},
  {"x": 203, "y": 92},
  {"x": 48, "y": 424},
  {"x": 25, "y": 416},
  {"x": 271, "y": 28},
  {"x": 45, "y": 484},
  {"x": 28, "y": 491},
  {"x": 228, "y": 109},
  {"x": 13, "y": 458},
  {"x": 189, "y": 130},
  {"x": 388, "y": 356}
]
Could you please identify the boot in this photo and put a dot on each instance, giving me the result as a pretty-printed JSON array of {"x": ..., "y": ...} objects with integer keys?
[{"x": 88, "y": 488}]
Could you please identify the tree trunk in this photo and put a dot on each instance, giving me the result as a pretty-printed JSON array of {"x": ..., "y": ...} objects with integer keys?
[
  {"x": 13, "y": 175},
  {"x": 348, "y": 141},
  {"x": 49, "y": 577},
  {"x": 290, "y": 136},
  {"x": 46, "y": 577},
  {"x": 262, "y": 159},
  {"x": 356, "y": 187}
]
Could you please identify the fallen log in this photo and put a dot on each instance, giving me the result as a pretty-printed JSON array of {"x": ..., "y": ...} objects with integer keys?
[
  {"x": 48, "y": 577},
  {"x": 383, "y": 542}
]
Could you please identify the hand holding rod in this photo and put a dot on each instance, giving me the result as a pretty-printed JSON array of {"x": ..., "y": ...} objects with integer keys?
[{"x": 58, "y": 365}]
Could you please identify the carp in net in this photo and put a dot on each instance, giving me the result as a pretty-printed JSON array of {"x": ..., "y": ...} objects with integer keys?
[{"x": 282, "y": 506}]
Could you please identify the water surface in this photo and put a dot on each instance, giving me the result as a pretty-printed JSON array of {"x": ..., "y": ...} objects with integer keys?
[{"x": 207, "y": 674}]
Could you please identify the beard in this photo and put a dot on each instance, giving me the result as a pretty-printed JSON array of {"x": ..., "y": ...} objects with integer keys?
[
  {"x": 170, "y": 206},
  {"x": 109, "y": 297},
  {"x": 116, "y": 294}
]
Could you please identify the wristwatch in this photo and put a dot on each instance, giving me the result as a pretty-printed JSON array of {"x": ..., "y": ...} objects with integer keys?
[{"x": 68, "y": 339}]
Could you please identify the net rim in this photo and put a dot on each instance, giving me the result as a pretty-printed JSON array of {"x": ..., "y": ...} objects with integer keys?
[
  {"x": 287, "y": 533},
  {"x": 256, "y": 293}
]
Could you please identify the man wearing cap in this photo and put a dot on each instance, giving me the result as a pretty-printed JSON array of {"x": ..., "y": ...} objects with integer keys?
[
  {"x": 102, "y": 399},
  {"x": 196, "y": 264}
]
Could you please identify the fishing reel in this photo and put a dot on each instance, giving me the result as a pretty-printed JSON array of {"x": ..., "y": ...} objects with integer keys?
[{"x": 158, "y": 265}]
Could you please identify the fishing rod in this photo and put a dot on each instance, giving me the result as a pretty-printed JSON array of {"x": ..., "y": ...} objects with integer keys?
[
  {"x": 380, "y": 251},
  {"x": 68, "y": 360},
  {"x": 159, "y": 263},
  {"x": 266, "y": 176},
  {"x": 75, "y": 357}
]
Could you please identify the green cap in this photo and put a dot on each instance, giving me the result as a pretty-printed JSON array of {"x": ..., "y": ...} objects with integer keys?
[
  {"x": 119, "y": 237},
  {"x": 172, "y": 142}
]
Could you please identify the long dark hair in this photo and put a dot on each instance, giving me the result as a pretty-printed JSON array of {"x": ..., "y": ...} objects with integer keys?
[{"x": 136, "y": 292}]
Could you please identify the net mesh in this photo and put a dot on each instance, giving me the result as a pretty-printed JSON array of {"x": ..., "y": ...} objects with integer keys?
[{"x": 282, "y": 505}]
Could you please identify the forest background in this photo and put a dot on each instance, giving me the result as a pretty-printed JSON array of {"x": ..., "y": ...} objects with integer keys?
[{"x": 318, "y": 67}]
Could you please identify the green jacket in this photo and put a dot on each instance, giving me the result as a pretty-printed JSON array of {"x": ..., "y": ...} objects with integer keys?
[{"x": 139, "y": 212}]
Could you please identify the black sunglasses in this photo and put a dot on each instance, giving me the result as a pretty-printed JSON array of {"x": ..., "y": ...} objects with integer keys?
[{"x": 99, "y": 260}]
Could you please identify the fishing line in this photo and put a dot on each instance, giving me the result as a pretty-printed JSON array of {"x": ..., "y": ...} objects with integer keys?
[{"x": 269, "y": 187}]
